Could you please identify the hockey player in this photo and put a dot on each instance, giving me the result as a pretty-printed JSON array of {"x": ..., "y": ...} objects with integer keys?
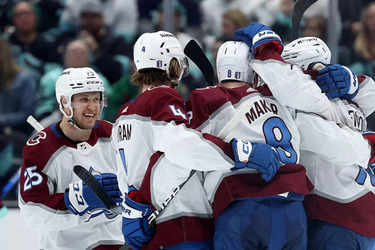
[
  {"x": 251, "y": 213},
  {"x": 352, "y": 219},
  {"x": 332, "y": 150},
  {"x": 52, "y": 198},
  {"x": 336, "y": 81},
  {"x": 158, "y": 152}
]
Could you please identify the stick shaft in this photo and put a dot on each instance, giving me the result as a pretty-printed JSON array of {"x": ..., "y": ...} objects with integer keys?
[{"x": 34, "y": 123}]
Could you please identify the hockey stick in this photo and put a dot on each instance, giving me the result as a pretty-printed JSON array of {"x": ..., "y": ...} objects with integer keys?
[
  {"x": 196, "y": 54},
  {"x": 95, "y": 187},
  {"x": 151, "y": 218},
  {"x": 34, "y": 123},
  {"x": 10, "y": 184},
  {"x": 98, "y": 190},
  {"x": 300, "y": 7}
]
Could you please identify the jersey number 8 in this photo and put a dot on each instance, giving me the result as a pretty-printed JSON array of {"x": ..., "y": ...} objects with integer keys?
[{"x": 278, "y": 135}]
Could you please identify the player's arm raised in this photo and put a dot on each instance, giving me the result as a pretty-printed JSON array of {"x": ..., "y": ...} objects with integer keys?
[{"x": 283, "y": 79}]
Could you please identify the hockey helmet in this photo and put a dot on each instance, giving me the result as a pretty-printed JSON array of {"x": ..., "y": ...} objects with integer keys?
[
  {"x": 306, "y": 50},
  {"x": 156, "y": 50},
  {"x": 74, "y": 81},
  {"x": 232, "y": 62}
]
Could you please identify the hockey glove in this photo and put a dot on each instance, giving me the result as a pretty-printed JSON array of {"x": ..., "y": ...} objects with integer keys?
[
  {"x": 135, "y": 227},
  {"x": 79, "y": 198},
  {"x": 259, "y": 156},
  {"x": 337, "y": 81},
  {"x": 256, "y": 35}
]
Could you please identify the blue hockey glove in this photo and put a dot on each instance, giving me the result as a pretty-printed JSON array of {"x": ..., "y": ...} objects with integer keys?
[
  {"x": 259, "y": 156},
  {"x": 135, "y": 227},
  {"x": 256, "y": 35},
  {"x": 79, "y": 198},
  {"x": 337, "y": 81}
]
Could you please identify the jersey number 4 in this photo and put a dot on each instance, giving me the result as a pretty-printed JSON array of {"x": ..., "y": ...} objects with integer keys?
[{"x": 177, "y": 111}]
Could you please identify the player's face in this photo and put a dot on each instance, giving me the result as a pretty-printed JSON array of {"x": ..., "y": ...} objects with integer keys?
[{"x": 86, "y": 109}]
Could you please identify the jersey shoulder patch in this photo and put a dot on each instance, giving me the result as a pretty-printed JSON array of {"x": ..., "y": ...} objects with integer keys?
[
  {"x": 36, "y": 138},
  {"x": 40, "y": 147}
]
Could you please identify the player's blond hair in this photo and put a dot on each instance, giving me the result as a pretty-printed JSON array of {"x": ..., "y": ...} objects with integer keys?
[{"x": 157, "y": 77}]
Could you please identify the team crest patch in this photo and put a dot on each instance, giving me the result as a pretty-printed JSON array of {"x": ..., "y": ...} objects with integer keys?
[{"x": 35, "y": 139}]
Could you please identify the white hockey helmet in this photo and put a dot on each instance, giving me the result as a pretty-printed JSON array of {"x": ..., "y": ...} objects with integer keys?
[
  {"x": 74, "y": 81},
  {"x": 306, "y": 50},
  {"x": 156, "y": 50},
  {"x": 233, "y": 62}
]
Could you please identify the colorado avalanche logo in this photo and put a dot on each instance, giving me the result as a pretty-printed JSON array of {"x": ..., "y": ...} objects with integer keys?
[{"x": 35, "y": 139}]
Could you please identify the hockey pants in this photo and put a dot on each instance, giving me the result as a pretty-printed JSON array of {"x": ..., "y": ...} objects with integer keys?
[
  {"x": 269, "y": 223},
  {"x": 325, "y": 236}
]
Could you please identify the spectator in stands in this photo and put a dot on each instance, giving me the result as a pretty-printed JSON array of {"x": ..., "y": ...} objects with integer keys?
[
  {"x": 5, "y": 22},
  {"x": 17, "y": 101},
  {"x": 31, "y": 48},
  {"x": 195, "y": 78},
  {"x": 122, "y": 92},
  {"x": 283, "y": 22},
  {"x": 193, "y": 16},
  {"x": 179, "y": 17},
  {"x": 108, "y": 50},
  {"x": 77, "y": 55},
  {"x": 48, "y": 13},
  {"x": 350, "y": 21},
  {"x": 315, "y": 26},
  {"x": 364, "y": 50},
  {"x": 261, "y": 10},
  {"x": 231, "y": 21},
  {"x": 121, "y": 16}
]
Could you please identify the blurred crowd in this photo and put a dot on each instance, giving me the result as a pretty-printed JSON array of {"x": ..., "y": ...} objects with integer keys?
[{"x": 40, "y": 38}]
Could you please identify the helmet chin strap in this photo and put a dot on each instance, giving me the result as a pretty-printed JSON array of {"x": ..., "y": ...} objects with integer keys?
[
  {"x": 74, "y": 123},
  {"x": 71, "y": 120}
]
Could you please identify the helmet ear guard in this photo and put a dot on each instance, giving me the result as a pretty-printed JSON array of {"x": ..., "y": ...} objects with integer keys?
[
  {"x": 232, "y": 62},
  {"x": 306, "y": 50},
  {"x": 156, "y": 51},
  {"x": 64, "y": 104}
]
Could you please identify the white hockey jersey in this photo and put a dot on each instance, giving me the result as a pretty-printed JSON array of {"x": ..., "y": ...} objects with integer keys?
[
  {"x": 47, "y": 170},
  {"x": 246, "y": 113},
  {"x": 332, "y": 149},
  {"x": 366, "y": 95},
  {"x": 295, "y": 89},
  {"x": 157, "y": 152}
]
